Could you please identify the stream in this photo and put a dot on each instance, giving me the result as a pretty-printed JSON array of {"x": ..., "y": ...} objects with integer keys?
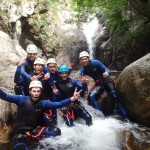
[{"x": 104, "y": 134}]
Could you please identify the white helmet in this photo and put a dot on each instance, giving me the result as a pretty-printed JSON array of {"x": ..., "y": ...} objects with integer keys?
[
  {"x": 83, "y": 54},
  {"x": 35, "y": 83},
  {"x": 31, "y": 48},
  {"x": 39, "y": 61},
  {"x": 51, "y": 61}
]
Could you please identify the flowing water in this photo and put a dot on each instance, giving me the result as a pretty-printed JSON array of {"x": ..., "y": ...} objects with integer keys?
[
  {"x": 104, "y": 134},
  {"x": 89, "y": 30}
]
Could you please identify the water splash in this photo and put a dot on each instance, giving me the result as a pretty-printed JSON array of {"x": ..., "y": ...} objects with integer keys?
[
  {"x": 89, "y": 30},
  {"x": 102, "y": 135}
]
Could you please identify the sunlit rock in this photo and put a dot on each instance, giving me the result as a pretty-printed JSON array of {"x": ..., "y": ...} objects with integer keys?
[
  {"x": 28, "y": 9},
  {"x": 10, "y": 54}
]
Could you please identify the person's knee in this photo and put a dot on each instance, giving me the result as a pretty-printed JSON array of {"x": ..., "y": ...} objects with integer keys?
[
  {"x": 57, "y": 131},
  {"x": 53, "y": 131},
  {"x": 89, "y": 120},
  {"x": 20, "y": 146}
]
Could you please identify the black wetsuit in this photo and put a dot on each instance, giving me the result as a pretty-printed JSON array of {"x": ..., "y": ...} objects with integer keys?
[{"x": 75, "y": 109}]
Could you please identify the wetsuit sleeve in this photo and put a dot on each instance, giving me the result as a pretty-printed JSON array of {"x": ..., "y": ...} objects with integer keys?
[
  {"x": 45, "y": 70},
  {"x": 23, "y": 72},
  {"x": 17, "y": 74},
  {"x": 54, "y": 105},
  {"x": 17, "y": 99},
  {"x": 80, "y": 86},
  {"x": 18, "y": 79},
  {"x": 58, "y": 97},
  {"x": 81, "y": 71},
  {"x": 100, "y": 65}
]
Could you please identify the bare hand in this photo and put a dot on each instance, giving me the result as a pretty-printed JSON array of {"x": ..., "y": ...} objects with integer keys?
[
  {"x": 55, "y": 90},
  {"x": 21, "y": 62},
  {"x": 46, "y": 76},
  {"x": 84, "y": 79},
  {"x": 105, "y": 74},
  {"x": 76, "y": 95},
  {"x": 34, "y": 78}
]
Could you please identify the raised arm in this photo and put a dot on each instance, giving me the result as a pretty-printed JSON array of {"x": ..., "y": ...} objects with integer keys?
[
  {"x": 53, "y": 105},
  {"x": 17, "y": 99}
]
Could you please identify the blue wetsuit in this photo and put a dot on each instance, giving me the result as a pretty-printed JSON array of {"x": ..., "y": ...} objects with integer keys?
[
  {"x": 27, "y": 67},
  {"x": 95, "y": 70},
  {"x": 20, "y": 83},
  {"x": 51, "y": 82},
  {"x": 30, "y": 115},
  {"x": 22, "y": 75}
]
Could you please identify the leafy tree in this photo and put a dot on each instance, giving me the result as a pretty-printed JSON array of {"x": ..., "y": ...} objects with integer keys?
[{"x": 110, "y": 8}]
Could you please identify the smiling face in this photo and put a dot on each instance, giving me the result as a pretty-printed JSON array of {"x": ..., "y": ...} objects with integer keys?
[
  {"x": 35, "y": 93},
  {"x": 38, "y": 68},
  {"x": 32, "y": 56},
  {"x": 64, "y": 75},
  {"x": 84, "y": 61},
  {"x": 52, "y": 67}
]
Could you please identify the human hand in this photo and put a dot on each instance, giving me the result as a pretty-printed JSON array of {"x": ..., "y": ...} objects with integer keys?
[
  {"x": 76, "y": 95},
  {"x": 55, "y": 90},
  {"x": 21, "y": 62},
  {"x": 84, "y": 79},
  {"x": 46, "y": 76},
  {"x": 34, "y": 78},
  {"x": 105, "y": 74}
]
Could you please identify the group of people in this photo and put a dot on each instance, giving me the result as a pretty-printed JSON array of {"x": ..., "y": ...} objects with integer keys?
[{"x": 40, "y": 89}]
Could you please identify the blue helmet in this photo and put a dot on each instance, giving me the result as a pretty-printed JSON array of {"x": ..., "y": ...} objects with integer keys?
[{"x": 63, "y": 68}]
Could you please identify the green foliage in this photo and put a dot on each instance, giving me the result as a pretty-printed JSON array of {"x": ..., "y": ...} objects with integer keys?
[{"x": 110, "y": 8}]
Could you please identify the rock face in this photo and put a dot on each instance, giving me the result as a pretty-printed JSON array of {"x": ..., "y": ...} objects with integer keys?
[
  {"x": 10, "y": 52},
  {"x": 129, "y": 41},
  {"x": 49, "y": 27},
  {"x": 134, "y": 86},
  {"x": 74, "y": 42}
]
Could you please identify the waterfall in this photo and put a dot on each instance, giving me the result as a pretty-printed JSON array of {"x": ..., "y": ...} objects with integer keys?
[{"x": 89, "y": 30}]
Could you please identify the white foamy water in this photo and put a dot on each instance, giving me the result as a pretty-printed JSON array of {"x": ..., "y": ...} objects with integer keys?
[
  {"x": 102, "y": 135},
  {"x": 89, "y": 30}
]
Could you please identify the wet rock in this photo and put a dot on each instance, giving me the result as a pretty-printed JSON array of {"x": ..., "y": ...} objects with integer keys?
[
  {"x": 134, "y": 86},
  {"x": 130, "y": 143},
  {"x": 74, "y": 42}
]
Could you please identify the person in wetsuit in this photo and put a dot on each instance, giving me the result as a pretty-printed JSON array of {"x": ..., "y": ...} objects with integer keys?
[
  {"x": 18, "y": 79},
  {"x": 65, "y": 87},
  {"x": 38, "y": 71},
  {"x": 100, "y": 74},
  {"x": 30, "y": 114},
  {"x": 54, "y": 76},
  {"x": 28, "y": 67},
  {"x": 50, "y": 115}
]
